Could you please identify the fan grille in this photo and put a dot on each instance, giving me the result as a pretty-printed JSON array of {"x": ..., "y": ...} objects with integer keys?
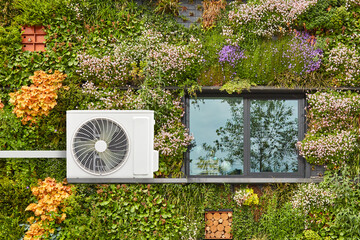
[{"x": 100, "y": 146}]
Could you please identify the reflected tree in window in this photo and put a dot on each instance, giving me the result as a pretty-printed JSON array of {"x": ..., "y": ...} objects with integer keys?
[
  {"x": 218, "y": 153},
  {"x": 231, "y": 139},
  {"x": 273, "y": 134},
  {"x": 209, "y": 164},
  {"x": 218, "y": 148}
]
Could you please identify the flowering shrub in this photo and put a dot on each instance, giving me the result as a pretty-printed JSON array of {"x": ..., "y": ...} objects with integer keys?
[
  {"x": 332, "y": 111},
  {"x": 37, "y": 100},
  {"x": 172, "y": 62},
  {"x": 302, "y": 56},
  {"x": 49, "y": 208},
  {"x": 344, "y": 64},
  {"x": 105, "y": 69},
  {"x": 332, "y": 137},
  {"x": 265, "y": 18},
  {"x": 230, "y": 37},
  {"x": 332, "y": 150},
  {"x": 246, "y": 197},
  {"x": 313, "y": 199},
  {"x": 231, "y": 54},
  {"x": 294, "y": 55},
  {"x": 150, "y": 56},
  {"x": 229, "y": 57}
]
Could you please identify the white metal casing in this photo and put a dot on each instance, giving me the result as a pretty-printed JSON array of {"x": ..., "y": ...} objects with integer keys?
[{"x": 141, "y": 160}]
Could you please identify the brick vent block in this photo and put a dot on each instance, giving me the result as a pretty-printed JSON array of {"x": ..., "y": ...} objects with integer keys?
[{"x": 33, "y": 38}]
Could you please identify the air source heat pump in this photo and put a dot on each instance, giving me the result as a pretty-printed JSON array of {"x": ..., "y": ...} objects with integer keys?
[{"x": 110, "y": 144}]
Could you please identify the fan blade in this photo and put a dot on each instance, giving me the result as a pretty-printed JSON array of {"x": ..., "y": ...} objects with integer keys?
[
  {"x": 84, "y": 147},
  {"x": 107, "y": 131},
  {"x": 109, "y": 159}
]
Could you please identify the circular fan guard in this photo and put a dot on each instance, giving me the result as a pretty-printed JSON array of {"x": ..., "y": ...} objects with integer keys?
[{"x": 100, "y": 146}]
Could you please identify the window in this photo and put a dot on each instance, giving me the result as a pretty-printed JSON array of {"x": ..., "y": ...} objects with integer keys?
[{"x": 245, "y": 135}]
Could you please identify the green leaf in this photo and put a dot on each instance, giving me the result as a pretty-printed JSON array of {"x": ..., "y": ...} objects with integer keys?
[{"x": 104, "y": 203}]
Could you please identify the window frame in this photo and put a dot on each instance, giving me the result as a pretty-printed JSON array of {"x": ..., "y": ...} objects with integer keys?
[{"x": 262, "y": 93}]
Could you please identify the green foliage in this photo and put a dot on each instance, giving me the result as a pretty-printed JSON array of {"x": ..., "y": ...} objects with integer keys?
[
  {"x": 8, "y": 12},
  {"x": 14, "y": 198},
  {"x": 112, "y": 18},
  {"x": 281, "y": 223},
  {"x": 311, "y": 235},
  {"x": 310, "y": 80},
  {"x": 10, "y": 44},
  {"x": 166, "y": 211},
  {"x": 168, "y": 6},
  {"x": 244, "y": 224},
  {"x": 325, "y": 16},
  {"x": 345, "y": 218},
  {"x": 130, "y": 211},
  {"x": 10, "y": 38},
  {"x": 37, "y": 12},
  {"x": 268, "y": 61},
  {"x": 174, "y": 211},
  {"x": 237, "y": 85}
]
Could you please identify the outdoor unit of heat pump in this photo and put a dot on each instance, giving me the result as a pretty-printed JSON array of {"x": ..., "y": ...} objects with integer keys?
[{"x": 110, "y": 144}]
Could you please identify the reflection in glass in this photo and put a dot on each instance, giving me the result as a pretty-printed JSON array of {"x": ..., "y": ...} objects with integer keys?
[
  {"x": 273, "y": 134},
  {"x": 217, "y": 126}
]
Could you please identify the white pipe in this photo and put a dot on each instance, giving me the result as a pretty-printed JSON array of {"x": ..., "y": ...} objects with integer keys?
[{"x": 32, "y": 154}]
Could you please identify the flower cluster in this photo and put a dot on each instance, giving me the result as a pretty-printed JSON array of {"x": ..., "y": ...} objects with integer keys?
[
  {"x": 267, "y": 17},
  {"x": 344, "y": 64},
  {"x": 246, "y": 197},
  {"x": 50, "y": 196},
  {"x": 333, "y": 128},
  {"x": 172, "y": 139},
  {"x": 77, "y": 9},
  {"x": 103, "y": 99},
  {"x": 191, "y": 230},
  {"x": 37, "y": 100},
  {"x": 302, "y": 57},
  {"x": 231, "y": 55},
  {"x": 171, "y": 61},
  {"x": 332, "y": 111},
  {"x": 150, "y": 56},
  {"x": 106, "y": 69},
  {"x": 312, "y": 196},
  {"x": 331, "y": 150}
]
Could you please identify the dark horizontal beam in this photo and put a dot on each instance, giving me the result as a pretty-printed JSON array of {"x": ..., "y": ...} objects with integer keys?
[
  {"x": 270, "y": 89},
  {"x": 255, "y": 89}
]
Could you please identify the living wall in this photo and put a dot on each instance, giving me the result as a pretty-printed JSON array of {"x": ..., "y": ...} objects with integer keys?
[{"x": 124, "y": 55}]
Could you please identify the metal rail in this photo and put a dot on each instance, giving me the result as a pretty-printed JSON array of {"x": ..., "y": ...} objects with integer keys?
[{"x": 32, "y": 154}]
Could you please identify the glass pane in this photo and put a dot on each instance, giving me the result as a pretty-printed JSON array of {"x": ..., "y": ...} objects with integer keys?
[
  {"x": 217, "y": 127},
  {"x": 273, "y": 134}
]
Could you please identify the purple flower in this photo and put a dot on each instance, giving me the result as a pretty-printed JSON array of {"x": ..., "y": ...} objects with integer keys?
[
  {"x": 231, "y": 54},
  {"x": 302, "y": 53}
]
